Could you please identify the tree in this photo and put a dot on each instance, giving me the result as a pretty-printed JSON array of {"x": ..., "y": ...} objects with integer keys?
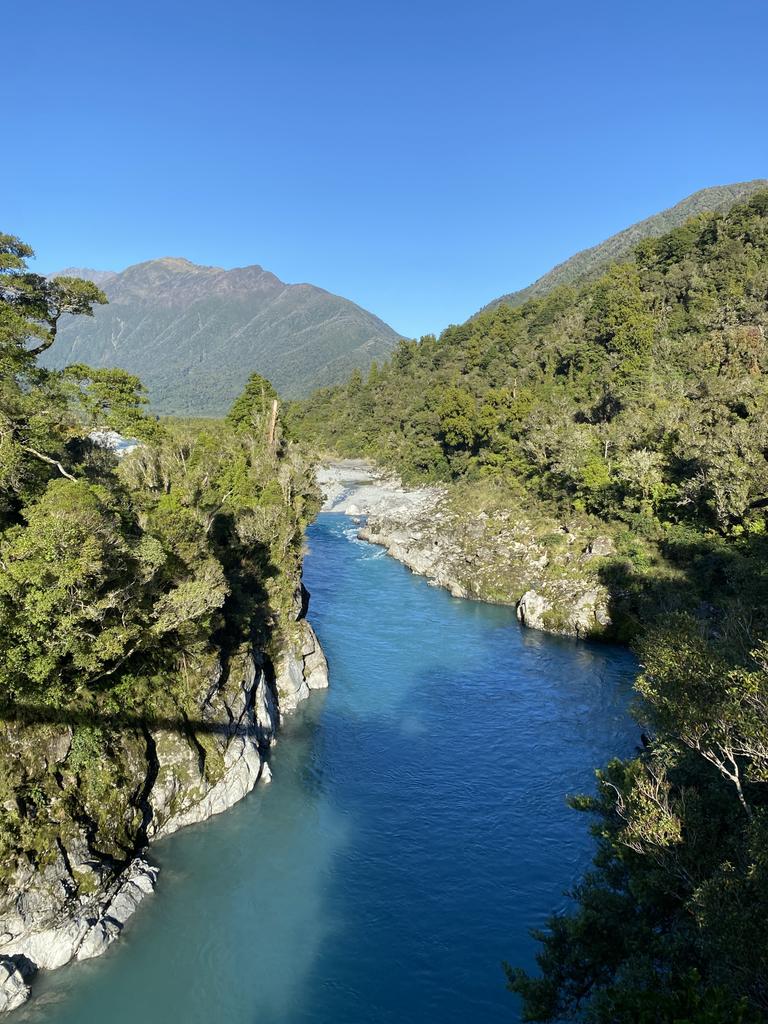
[
  {"x": 252, "y": 409},
  {"x": 110, "y": 399},
  {"x": 37, "y": 303},
  {"x": 458, "y": 416},
  {"x": 694, "y": 694}
]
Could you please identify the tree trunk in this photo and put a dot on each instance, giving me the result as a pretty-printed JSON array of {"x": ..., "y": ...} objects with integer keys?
[{"x": 272, "y": 424}]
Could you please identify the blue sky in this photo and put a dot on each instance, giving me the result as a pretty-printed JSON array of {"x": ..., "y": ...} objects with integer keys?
[{"x": 417, "y": 157}]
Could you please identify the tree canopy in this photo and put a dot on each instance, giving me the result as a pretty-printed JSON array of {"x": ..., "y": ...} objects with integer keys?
[{"x": 124, "y": 579}]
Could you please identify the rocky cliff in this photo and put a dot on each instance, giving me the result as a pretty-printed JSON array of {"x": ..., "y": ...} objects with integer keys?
[
  {"x": 157, "y": 776},
  {"x": 548, "y": 571}
]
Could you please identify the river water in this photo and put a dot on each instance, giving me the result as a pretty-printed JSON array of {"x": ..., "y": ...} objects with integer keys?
[{"x": 414, "y": 832}]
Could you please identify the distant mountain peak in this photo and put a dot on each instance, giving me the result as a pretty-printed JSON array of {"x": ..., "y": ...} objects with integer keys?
[
  {"x": 98, "y": 277},
  {"x": 194, "y": 333}
]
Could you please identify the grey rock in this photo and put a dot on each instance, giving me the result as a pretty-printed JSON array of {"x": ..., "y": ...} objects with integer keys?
[
  {"x": 600, "y": 547},
  {"x": 315, "y": 664},
  {"x": 98, "y": 939},
  {"x": 46, "y": 919},
  {"x": 588, "y": 612},
  {"x": 14, "y": 989},
  {"x": 531, "y": 609},
  {"x": 265, "y": 712},
  {"x": 290, "y": 684}
]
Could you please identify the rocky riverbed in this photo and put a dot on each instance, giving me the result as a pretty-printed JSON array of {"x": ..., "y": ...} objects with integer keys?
[{"x": 549, "y": 574}]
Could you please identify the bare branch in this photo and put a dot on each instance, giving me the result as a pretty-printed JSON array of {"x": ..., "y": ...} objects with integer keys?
[{"x": 49, "y": 460}]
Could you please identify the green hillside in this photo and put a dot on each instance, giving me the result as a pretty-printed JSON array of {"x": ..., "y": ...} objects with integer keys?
[
  {"x": 640, "y": 395},
  {"x": 636, "y": 406},
  {"x": 194, "y": 334},
  {"x": 590, "y": 262}
]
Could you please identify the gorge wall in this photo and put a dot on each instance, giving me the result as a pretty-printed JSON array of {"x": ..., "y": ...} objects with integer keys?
[{"x": 163, "y": 775}]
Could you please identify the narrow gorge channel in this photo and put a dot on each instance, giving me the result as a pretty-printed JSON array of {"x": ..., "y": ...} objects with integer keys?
[{"x": 414, "y": 832}]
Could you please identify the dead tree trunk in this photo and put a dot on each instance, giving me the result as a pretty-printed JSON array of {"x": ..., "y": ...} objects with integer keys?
[{"x": 272, "y": 424}]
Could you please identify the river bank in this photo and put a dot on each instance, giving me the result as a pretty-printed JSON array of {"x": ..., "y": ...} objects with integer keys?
[
  {"x": 76, "y": 904},
  {"x": 550, "y": 572}
]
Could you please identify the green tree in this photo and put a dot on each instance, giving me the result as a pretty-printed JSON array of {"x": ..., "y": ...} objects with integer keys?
[
  {"x": 457, "y": 412},
  {"x": 38, "y": 303},
  {"x": 251, "y": 410}
]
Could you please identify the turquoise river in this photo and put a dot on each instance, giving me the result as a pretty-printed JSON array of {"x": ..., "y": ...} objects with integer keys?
[{"x": 415, "y": 830}]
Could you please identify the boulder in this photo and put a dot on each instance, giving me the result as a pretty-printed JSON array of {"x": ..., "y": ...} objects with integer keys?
[
  {"x": 139, "y": 881},
  {"x": 290, "y": 684},
  {"x": 531, "y": 609},
  {"x": 589, "y": 613},
  {"x": 14, "y": 989},
  {"x": 315, "y": 664},
  {"x": 600, "y": 547}
]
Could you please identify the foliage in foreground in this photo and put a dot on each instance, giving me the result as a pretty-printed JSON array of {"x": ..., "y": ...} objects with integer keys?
[
  {"x": 122, "y": 580},
  {"x": 672, "y": 925}
]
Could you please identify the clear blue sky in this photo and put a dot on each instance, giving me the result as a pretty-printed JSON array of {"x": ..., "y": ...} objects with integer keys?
[{"x": 418, "y": 157}]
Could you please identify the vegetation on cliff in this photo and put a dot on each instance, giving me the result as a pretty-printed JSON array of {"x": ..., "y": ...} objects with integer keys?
[
  {"x": 637, "y": 403},
  {"x": 124, "y": 580}
]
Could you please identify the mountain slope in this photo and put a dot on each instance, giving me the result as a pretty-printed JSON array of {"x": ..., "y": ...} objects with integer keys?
[
  {"x": 194, "y": 333},
  {"x": 636, "y": 404},
  {"x": 589, "y": 262}
]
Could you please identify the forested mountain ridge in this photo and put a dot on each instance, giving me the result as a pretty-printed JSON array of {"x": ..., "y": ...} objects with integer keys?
[
  {"x": 194, "y": 333},
  {"x": 589, "y": 262},
  {"x": 633, "y": 410}
]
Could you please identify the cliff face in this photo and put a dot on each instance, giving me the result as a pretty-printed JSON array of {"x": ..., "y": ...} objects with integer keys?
[
  {"x": 548, "y": 570},
  {"x": 491, "y": 557},
  {"x": 156, "y": 777}
]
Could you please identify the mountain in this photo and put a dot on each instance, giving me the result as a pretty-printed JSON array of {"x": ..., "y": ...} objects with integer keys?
[
  {"x": 99, "y": 277},
  {"x": 194, "y": 333},
  {"x": 589, "y": 262}
]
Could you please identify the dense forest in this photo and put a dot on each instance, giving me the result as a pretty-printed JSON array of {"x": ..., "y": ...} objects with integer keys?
[
  {"x": 637, "y": 401},
  {"x": 125, "y": 581}
]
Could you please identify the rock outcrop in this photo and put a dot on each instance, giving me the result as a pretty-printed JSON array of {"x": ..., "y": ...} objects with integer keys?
[
  {"x": 50, "y": 924},
  {"x": 549, "y": 572},
  {"x": 531, "y": 609},
  {"x": 74, "y": 903},
  {"x": 14, "y": 989},
  {"x": 301, "y": 667}
]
